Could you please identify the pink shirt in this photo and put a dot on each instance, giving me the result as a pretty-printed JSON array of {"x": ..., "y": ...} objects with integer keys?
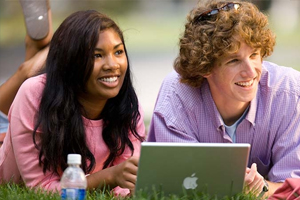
[
  {"x": 290, "y": 190},
  {"x": 18, "y": 156}
]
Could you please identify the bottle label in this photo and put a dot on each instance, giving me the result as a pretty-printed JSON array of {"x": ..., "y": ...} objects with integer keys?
[{"x": 72, "y": 194}]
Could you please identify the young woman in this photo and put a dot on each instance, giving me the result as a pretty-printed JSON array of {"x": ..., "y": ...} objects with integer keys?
[{"x": 84, "y": 103}]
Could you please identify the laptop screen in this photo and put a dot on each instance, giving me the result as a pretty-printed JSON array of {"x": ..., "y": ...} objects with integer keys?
[{"x": 177, "y": 168}]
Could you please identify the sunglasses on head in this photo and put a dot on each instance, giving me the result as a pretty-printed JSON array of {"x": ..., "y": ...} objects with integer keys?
[{"x": 208, "y": 13}]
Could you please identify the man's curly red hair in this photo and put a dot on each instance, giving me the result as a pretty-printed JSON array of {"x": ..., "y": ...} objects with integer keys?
[{"x": 205, "y": 41}]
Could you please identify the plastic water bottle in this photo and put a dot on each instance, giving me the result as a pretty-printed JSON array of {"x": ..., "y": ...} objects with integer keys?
[{"x": 73, "y": 182}]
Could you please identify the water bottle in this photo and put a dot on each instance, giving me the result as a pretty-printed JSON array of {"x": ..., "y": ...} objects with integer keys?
[{"x": 73, "y": 182}]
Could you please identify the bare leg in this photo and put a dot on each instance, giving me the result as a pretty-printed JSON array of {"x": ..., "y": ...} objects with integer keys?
[{"x": 38, "y": 22}]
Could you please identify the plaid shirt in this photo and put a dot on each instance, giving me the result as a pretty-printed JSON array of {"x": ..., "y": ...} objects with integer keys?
[{"x": 272, "y": 124}]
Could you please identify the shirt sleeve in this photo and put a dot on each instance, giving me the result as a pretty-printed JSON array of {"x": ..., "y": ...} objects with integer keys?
[
  {"x": 164, "y": 130},
  {"x": 290, "y": 190},
  {"x": 3, "y": 123},
  {"x": 173, "y": 119},
  {"x": 286, "y": 149},
  {"x": 22, "y": 119}
]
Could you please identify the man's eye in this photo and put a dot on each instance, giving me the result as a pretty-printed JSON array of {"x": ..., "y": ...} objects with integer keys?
[
  {"x": 232, "y": 61},
  {"x": 254, "y": 54}
]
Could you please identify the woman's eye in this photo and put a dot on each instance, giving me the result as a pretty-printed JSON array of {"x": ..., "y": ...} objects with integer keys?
[
  {"x": 119, "y": 52},
  {"x": 97, "y": 55}
]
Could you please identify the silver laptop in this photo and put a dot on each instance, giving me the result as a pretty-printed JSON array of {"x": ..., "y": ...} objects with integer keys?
[{"x": 217, "y": 169}]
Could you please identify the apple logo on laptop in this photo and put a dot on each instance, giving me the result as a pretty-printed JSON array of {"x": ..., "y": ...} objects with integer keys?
[{"x": 190, "y": 182}]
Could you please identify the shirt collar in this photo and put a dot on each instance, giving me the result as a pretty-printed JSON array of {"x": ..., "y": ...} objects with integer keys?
[
  {"x": 210, "y": 104},
  {"x": 254, "y": 103},
  {"x": 253, "y": 108}
]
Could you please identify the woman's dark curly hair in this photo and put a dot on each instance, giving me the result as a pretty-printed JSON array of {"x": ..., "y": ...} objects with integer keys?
[
  {"x": 59, "y": 123},
  {"x": 206, "y": 40}
]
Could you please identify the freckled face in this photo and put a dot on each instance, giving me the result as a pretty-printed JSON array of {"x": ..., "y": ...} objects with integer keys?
[
  {"x": 110, "y": 67},
  {"x": 235, "y": 77}
]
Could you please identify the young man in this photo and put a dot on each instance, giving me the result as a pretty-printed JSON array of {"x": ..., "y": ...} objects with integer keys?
[{"x": 223, "y": 92}]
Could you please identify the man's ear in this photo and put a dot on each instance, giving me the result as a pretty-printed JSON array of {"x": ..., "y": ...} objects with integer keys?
[{"x": 206, "y": 75}]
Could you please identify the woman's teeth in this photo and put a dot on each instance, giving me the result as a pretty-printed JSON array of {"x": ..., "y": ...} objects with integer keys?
[{"x": 111, "y": 79}]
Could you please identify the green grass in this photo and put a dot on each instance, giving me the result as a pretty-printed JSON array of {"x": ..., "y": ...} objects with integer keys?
[{"x": 19, "y": 192}]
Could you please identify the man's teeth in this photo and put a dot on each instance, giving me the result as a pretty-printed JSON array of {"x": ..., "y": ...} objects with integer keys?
[
  {"x": 110, "y": 79},
  {"x": 245, "y": 84}
]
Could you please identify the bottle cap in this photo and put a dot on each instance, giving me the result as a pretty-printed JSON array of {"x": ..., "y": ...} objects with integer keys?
[{"x": 74, "y": 159}]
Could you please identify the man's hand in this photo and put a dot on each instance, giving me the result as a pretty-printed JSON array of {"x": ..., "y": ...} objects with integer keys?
[{"x": 254, "y": 182}]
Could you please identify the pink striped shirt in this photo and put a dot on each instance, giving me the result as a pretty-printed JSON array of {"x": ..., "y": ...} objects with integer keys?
[
  {"x": 272, "y": 124},
  {"x": 18, "y": 155}
]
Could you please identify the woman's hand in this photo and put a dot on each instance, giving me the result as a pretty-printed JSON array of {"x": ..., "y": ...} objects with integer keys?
[
  {"x": 122, "y": 175},
  {"x": 126, "y": 172}
]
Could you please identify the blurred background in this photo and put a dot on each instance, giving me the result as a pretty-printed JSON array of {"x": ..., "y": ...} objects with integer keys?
[{"x": 151, "y": 29}]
